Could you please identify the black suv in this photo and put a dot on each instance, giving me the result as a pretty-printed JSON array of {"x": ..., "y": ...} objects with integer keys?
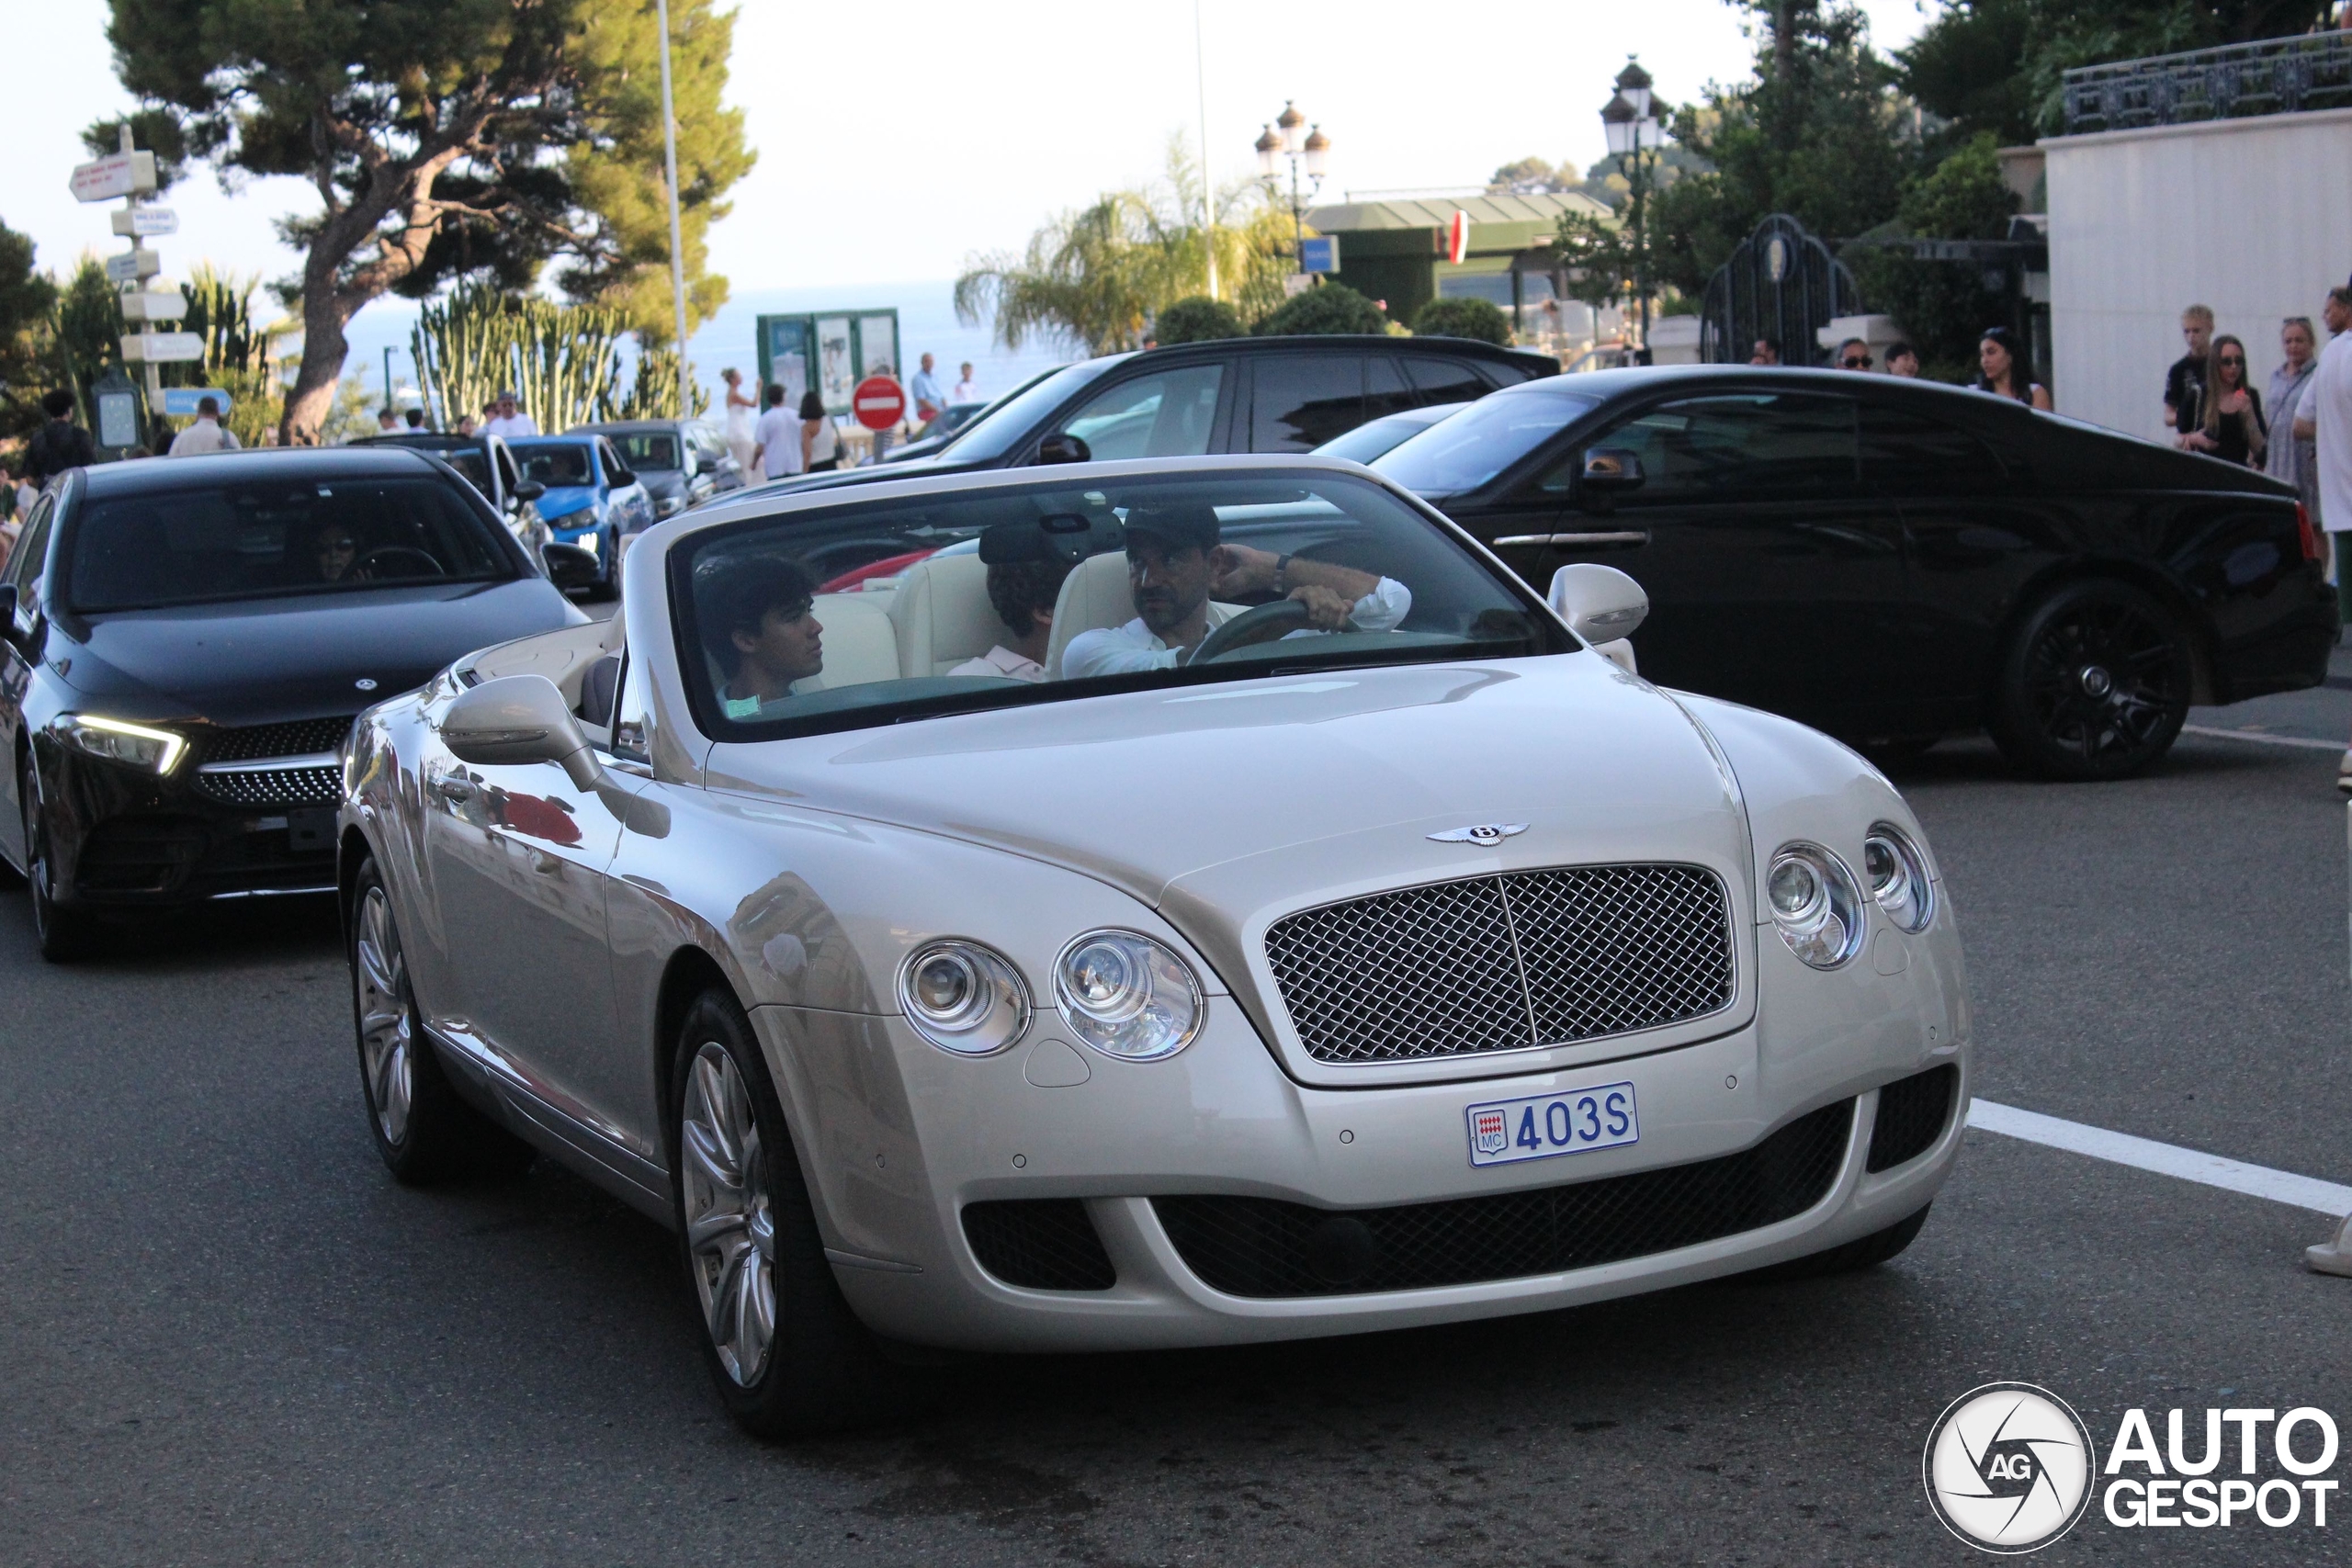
[{"x": 1258, "y": 394}]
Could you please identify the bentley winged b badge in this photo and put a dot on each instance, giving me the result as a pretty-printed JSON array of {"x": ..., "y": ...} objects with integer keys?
[{"x": 1483, "y": 833}]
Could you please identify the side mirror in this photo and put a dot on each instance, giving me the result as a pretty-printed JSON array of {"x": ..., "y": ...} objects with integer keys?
[
  {"x": 517, "y": 719},
  {"x": 1611, "y": 470},
  {"x": 624, "y": 478},
  {"x": 1063, "y": 448},
  {"x": 1599, "y": 602},
  {"x": 570, "y": 566},
  {"x": 530, "y": 490}
]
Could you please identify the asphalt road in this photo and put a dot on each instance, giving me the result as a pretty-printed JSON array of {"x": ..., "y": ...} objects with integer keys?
[{"x": 227, "y": 1337}]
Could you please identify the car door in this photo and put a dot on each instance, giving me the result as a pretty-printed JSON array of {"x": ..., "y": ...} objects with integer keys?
[
  {"x": 1297, "y": 401},
  {"x": 23, "y": 573},
  {"x": 516, "y": 858},
  {"x": 1168, "y": 411},
  {"x": 1775, "y": 577}
]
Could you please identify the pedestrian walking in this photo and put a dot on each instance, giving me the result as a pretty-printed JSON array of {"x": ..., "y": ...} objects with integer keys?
[
  {"x": 416, "y": 419},
  {"x": 821, "y": 443},
  {"x": 59, "y": 446},
  {"x": 2327, "y": 411},
  {"x": 775, "y": 452},
  {"x": 2229, "y": 418},
  {"x": 1996, "y": 357},
  {"x": 1767, "y": 352},
  {"x": 925, "y": 389},
  {"x": 2184, "y": 382},
  {"x": 387, "y": 422},
  {"x": 1853, "y": 354},
  {"x": 741, "y": 407},
  {"x": 966, "y": 390},
  {"x": 205, "y": 434},
  {"x": 1902, "y": 359},
  {"x": 2290, "y": 457},
  {"x": 464, "y": 425},
  {"x": 507, "y": 418}
]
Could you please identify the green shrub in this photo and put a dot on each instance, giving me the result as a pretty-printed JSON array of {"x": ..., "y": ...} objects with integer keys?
[
  {"x": 1198, "y": 320},
  {"x": 1333, "y": 308},
  {"x": 1475, "y": 318}
]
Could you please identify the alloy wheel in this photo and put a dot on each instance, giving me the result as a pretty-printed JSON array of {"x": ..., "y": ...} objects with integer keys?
[
  {"x": 731, "y": 1231},
  {"x": 2103, "y": 681},
  {"x": 386, "y": 1035}
]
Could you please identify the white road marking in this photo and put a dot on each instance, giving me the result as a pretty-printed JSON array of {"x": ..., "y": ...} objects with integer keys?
[
  {"x": 2262, "y": 740},
  {"x": 2165, "y": 1159}
]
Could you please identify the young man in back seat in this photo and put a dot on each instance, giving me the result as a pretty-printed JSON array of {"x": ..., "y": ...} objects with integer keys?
[{"x": 1025, "y": 577}]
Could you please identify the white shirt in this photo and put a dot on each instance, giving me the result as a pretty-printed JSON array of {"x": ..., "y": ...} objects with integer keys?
[
  {"x": 520, "y": 423},
  {"x": 826, "y": 443},
  {"x": 2329, "y": 398},
  {"x": 965, "y": 392},
  {"x": 779, "y": 432},
  {"x": 1121, "y": 650},
  {"x": 1003, "y": 662},
  {"x": 204, "y": 435}
]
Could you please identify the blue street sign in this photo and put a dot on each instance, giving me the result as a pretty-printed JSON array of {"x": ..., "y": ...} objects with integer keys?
[
  {"x": 1320, "y": 253},
  {"x": 180, "y": 401}
]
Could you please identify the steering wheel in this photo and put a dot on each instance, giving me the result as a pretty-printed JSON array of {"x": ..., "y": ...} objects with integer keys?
[
  {"x": 366, "y": 566},
  {"x": 1264, "y": 623}
]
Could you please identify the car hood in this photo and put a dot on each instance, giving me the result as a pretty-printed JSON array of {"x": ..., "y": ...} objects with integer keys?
[
  {"x": 1227, "y": 806},
  {"x": 263, "y": 661},
  {"x": 873, "y": 473},
  {"x": 562, "y": 500},
  {"x": 662, "y": 483}
]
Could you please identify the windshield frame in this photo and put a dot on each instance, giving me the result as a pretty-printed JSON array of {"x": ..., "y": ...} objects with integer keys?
[
  {"x": 685, "y": 632},
  {"x": 1041, "y": 396},
  {"x": 1580, "y": 406}
]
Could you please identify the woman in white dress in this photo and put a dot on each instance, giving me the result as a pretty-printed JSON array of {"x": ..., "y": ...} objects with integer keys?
[{"x": 740, "y": 406}]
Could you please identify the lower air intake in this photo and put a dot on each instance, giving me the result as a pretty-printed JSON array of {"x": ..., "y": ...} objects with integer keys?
[
  {"x": 1911, "y": 1116},
  {"x": 1039, "y": 1244}
]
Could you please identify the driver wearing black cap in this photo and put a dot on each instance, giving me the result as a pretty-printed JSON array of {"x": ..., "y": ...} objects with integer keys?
[{"x": 1176, "y": 561}]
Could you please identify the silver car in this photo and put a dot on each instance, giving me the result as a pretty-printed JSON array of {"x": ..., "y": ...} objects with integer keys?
[{"x": 1223, "y": 906}]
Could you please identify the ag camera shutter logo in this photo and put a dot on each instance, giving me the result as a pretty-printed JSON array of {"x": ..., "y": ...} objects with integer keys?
[{"x": 2008, "y": 1468}]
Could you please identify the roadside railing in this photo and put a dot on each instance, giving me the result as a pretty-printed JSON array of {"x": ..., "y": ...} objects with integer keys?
[{"x": 2240, "y": 81}]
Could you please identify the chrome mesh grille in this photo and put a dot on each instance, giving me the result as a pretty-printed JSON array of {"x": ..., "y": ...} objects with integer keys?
[
  {"x": 274, "y": 786},
  {"x": 302, "y": 738},
  {"x": 1504, "y": 963}
]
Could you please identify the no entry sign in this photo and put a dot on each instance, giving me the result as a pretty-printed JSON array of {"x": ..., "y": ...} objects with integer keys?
[
  {"x": 1457, "y": 237},
  {"x": 878, "y": 402}
]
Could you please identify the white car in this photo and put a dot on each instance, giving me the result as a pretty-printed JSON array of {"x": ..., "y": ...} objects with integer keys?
[{"x": 1366, "y": 950}]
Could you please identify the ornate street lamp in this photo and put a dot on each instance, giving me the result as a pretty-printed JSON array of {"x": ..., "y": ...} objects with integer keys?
[
  {"x": 1308, "y": 152},
  {"x": 1633, "y": 131}
]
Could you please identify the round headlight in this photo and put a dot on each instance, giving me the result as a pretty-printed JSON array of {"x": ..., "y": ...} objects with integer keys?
[
  {"x": 963, "y": 997},
  {"x": 1127, "y": 995},
  {"x": 1816, "y": 905},
  {"x": 1898, "y": 878}
]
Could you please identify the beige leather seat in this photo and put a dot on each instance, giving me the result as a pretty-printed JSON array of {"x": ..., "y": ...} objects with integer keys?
[
  {"x": 1096, "y": 595},
  {"x": 943, "y": 615},
  {"x": 861, "y": 644}
]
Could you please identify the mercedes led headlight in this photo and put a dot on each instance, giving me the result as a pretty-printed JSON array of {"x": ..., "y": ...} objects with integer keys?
[
  {"x": 963, "y": 997},
  {"x": 1127, "y": 995},
  {"x": 1898, "y": 878},
  {"x": 133, "y": 745},
  {"x": 1816, "y": 904}
]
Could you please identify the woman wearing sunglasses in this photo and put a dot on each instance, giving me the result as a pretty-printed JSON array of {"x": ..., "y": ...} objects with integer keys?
[{"x": 2229, "y": 426}]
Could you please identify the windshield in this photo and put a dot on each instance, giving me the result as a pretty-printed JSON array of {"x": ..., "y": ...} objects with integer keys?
[
  {"x": 260, "y": 541},
  {"x": 1009, "y": 418},
  {"x": 1366, "y": 442},
  {"x": 1464, "y": 452},
  {"x": 1071, "y": 593},
  {"x": 647, "y": 449},
  {"x": 566, "y": 464}
]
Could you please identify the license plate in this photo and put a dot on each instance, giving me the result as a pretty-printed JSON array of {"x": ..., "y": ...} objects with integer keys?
[{"x": 1505, "y": 1131}]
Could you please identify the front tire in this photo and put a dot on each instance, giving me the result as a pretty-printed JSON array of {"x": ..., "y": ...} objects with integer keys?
[
  {"x": 424, "y": 1132},
  {"x": 64, "y": 935},
  {"x": 787, "y": 1355},
  {"x": 2094, "y": 685}
]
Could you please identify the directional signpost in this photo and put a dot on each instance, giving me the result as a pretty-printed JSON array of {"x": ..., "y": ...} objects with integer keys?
[
  {"x": 146, "y": 298},
  {"x": 141, "y": 222},
  {"x": 180, "y": 401}
]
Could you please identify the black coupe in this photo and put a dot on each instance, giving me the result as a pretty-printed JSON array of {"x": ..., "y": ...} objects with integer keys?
[
  {"x": 1893, "y": 560},
  {"x": 186, "y": 642}
]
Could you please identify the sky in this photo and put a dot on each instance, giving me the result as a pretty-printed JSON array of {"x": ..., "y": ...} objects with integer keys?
[{"x": 891, "y": 153}]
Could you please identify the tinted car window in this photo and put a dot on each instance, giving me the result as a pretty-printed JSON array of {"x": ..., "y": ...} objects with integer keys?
[
  {"x": 25, "y": 559},
  {"x": 1736, "y": 447},
  {"x": 1910, "y": 454},
  {"x": 470, "y": 461},
  {"x": 1171, "y": 414},
  {"x": 1385, "y": 392},
  {"x": 1444, "y": 380},
  {"x": 1297, "y": 401},
  {"x": 565, "y": 465},
  {"x": 507, "y": 477},
  {"x": 1010, "y": 420},
  {"x": 1475, "y": 445},
  {"x": 255, "y": 541},
  {"x": 648, "y": 450}
]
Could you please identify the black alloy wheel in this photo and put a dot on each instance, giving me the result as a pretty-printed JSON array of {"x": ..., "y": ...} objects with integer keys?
[
  {"x": 64, "y": 935},
  {"x": 785, "y": 1353},
  {"x": 2094, "y": 685}
]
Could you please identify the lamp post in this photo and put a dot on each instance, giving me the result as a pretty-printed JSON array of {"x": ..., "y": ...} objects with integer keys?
[
  {"x": 1290, "y": 137},
  {"x": 1633, "y": 132}
]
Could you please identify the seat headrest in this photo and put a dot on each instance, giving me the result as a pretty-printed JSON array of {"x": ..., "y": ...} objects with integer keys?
[
  {"x": 942, "y": 612},
  {"x": 1094, "y": 595}
]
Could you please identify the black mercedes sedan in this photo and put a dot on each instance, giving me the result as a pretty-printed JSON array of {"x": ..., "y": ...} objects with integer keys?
[
  {"x": 188, "y": 641},
  {"x": 1893, "y": 560}
]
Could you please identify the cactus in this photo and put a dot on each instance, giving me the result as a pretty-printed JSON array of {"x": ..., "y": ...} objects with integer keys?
[{"x": 562, "y": 361}]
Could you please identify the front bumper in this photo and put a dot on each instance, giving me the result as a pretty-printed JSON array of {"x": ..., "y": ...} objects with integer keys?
[{"x": 900, "y": 1139}]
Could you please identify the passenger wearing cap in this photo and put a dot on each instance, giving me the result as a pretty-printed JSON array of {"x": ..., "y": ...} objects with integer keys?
[
  {"x": 508, "y": 420},
  {"x": 1025, "y": 572},
  {"x": 1176, "y": 561}
]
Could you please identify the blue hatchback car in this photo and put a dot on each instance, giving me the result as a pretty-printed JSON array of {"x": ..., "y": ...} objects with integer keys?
[{"x": 593, "y": 500}]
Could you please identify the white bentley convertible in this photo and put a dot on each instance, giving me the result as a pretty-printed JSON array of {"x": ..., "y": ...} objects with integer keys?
[{"x": 1149, "y": 904}]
